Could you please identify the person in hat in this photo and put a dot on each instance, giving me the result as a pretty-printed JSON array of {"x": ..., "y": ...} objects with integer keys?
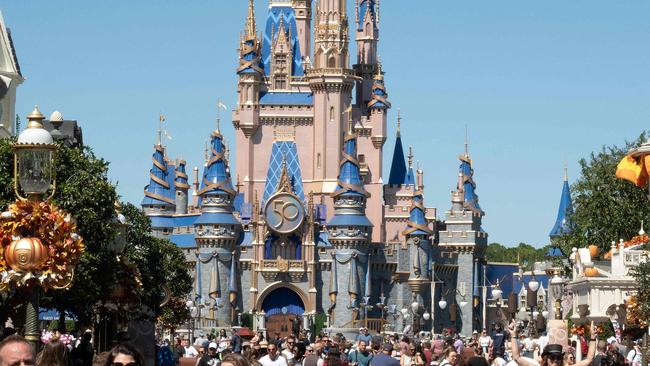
[
  {"x": 553, "y": 354},
  {"x": 363, "y": 336},
  {"x": 211, "y": 359}
]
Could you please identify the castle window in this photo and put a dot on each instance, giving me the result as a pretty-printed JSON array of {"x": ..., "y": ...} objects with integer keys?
[
  {"x": 331, "y": 63},
  {"x": 318, "y": 160},
  {"x": 331, "y": 114}
]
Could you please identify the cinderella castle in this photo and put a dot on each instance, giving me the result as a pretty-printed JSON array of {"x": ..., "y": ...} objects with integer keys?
[{"x": 313, "y": 225}]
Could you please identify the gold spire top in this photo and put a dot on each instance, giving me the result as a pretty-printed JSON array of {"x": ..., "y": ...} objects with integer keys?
[
  {"x": 251, "y": 30},
  {"x": 399, "y": 122},
  {"x": 161, "y": 119},
  {"x": 35, "y": 118},
  {"x": 566, "y": 173}
]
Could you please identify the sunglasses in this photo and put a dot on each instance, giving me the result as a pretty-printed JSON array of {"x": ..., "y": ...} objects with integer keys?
[{"x": 124, "y": 364}]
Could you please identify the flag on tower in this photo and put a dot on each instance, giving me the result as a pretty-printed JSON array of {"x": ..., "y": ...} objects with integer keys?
[
  {"x": 221, "y": 105},
  {"x": 162, "y": 118}
]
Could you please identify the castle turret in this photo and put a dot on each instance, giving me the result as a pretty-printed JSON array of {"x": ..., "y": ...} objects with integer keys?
[
  {"x": 462, "y": 238},
  {"x": 398, "y": 172},
  {"x": 367, "y": 38},
  {"x": 302, "y": 9},
  {"x": 349, "y": 233},
  {"x": 331, "y": 82},
  {"x": 378, "y": 109},
  {"x": 159, "y": 196},
  {"x": 216, "y": 234},
  {"x": 251, "y": 73},
  {"x": 182, "y": 187},
  {"x": 418, "y": 240}
]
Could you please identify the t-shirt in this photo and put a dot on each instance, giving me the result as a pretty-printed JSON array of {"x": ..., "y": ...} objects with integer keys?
[
  {"x": 190, "y": 351},
  {"x": 364, "y": 337},
  {"x": 279, "y": 361},
  {"x": 458, "y": 345},
  {"x": 288, "y": 355},
  {"x": 499, "y": 342},
  {"x": 360, "y": 358},
  {"x": 484, "y": 342},
  {"x": 178, "y": 352},
  {"x": 634, "y": 357},
  {"x": 384, "y": 360},
  {"x": 235, "y": 343}
]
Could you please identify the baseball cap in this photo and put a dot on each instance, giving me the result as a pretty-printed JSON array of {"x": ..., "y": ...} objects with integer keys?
[
  {"x": 213, "y": 345},
  {"x": 611, "y": 340},
  {"x": 387, "y": 347}
]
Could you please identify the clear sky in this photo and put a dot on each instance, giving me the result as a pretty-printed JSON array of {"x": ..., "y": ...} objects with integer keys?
[{"x": 537, "y": 83}]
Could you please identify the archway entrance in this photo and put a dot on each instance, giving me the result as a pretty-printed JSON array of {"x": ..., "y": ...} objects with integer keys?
[{"x": 283, "y": 308}]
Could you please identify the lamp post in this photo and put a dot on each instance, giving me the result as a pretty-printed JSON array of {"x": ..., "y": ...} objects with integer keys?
[
  {"x": 531, "y": 299},
  {"x": 557, "y": 288},
  {"x": 193, "y": 312},
  {"x": 33, "y": 173}
]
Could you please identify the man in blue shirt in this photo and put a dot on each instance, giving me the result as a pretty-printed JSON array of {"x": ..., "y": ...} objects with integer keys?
[{"x": 384, "y": 358}]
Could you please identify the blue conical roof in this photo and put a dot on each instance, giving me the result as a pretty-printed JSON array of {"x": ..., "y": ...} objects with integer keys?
[
  {"x": 215, "y": 175},
  {"x": 379, "y": 96},
  {"x": 350, "y": 185},
  {"x": 563, "y": 225},
  {"x": 180, "y": 180},
  {"x": 349, "y": 180},
  {"x": 158, "y": 191},
  {"x": 469, "y": 187},
  {"x": 398, "y": 165},
  {"x": 417, "y": 224}
]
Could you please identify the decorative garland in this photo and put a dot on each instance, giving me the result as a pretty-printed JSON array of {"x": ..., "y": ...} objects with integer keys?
[{"x": 57, "y": 232}]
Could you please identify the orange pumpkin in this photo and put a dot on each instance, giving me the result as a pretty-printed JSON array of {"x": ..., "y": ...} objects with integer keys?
[
  {"x": 591, "y": 272},
  {"x": 593, "y": 250},
  {"x": 26, "y": 254}
]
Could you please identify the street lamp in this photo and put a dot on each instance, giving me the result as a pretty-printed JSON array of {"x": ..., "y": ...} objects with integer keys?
[
  {"x": 33, "y": 159},
  {"x": 442, "y": 304},
  {"x": 557, "y": 287},
  {"x": 33, "y": 173},
  {"x": 531, "y": 299}
]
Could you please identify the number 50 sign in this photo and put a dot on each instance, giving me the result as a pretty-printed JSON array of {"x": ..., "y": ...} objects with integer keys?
[{"x": 284, "y": 213}]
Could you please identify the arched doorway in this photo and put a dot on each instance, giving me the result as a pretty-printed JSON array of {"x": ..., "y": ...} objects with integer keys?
[{"x": 283, "y": 308}]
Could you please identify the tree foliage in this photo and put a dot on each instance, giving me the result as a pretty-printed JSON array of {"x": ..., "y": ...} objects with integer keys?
[
  {"x": 606, "y": 208},
  {"x": 84, "y": 190},
  {"x": 524, "y": 254}
]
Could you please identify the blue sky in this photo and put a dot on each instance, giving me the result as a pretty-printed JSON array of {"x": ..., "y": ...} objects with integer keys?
[{"x": 538, "y": 84}]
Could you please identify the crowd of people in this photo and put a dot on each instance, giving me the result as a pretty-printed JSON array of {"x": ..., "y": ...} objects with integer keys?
[{"x": 501, "y": 347}]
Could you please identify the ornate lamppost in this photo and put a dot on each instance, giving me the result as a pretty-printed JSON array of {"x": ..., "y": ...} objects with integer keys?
[
  {"x": 557, "y": 287},
  {"x": 39, "y": 240},
  {"x": 531, "y": 300}
]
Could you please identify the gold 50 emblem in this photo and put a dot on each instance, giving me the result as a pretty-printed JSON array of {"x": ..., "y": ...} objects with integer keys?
[{"x": 284, "y": 213}]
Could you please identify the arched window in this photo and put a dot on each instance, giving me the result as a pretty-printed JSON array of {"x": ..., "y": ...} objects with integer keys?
[
  {"x": 332, "y": 114},
  {"x": 331, "y": 63}
]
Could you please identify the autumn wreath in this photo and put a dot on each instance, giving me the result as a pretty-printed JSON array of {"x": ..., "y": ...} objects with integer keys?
[{"x": 38, "y": 241}]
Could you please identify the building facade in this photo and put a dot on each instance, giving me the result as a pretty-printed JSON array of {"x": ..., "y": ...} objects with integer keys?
[{"x": 311, "y": 225}]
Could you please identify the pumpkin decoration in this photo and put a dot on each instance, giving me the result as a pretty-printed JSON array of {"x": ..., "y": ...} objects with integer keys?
[
  {"x": 26, "y": 254},
  {"x": 51, "y": 258},
  {"x": 593, "y": 250},
  {"x": 591, "y": 272}
]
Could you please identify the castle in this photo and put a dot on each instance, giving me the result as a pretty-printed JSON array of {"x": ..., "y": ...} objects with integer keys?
[{"x": 311, "y": 226}]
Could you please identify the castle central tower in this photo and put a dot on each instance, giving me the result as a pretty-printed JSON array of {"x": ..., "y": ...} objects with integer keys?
[{"x": 331, "y": 82}]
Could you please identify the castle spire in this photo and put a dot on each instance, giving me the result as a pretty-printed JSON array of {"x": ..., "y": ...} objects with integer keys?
[
  {"x": 350, "y": 195},
  {"x": 398, "y": 169},
  {"x": 158, "y": 191},
  {"x": 379, "y": 96},
  {"x": 251, "y": 30},
  {"x": 563, "y": 224},
  {"x": 466, "y": 185},
  {"x": 417, "y": 223},
  {"x": 250, "y": 61}
]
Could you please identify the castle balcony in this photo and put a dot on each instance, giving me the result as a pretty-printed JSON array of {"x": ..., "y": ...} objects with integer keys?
[{"x": 275, "y": 269}]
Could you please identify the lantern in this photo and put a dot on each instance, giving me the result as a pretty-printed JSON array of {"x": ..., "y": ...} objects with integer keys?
[
  {"x": 33, "y": 157},
  {"x": 26, "y": 254}
]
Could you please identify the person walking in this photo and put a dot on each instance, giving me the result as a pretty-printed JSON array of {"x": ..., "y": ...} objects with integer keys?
[
  {"x": 361, "y": 356},
  {"x": 273, "y": 357}
]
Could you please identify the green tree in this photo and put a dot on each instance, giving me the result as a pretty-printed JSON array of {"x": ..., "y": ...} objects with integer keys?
[
  {"x": 84, "y": 190},
  {"x": 605, "y": 208},
  {"x": 524, "y": 254}
]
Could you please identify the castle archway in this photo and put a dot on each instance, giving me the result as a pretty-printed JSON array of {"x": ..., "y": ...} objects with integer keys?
[{"x": 283, "y": 306}]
